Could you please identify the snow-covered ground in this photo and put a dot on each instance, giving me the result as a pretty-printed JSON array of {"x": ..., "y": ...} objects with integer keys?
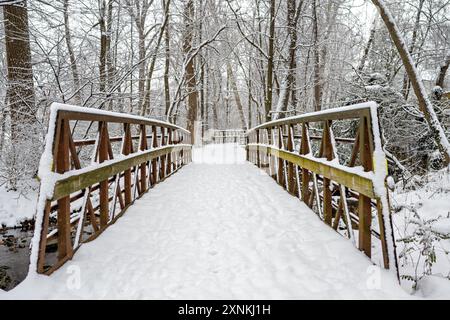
[
  {"x": 216, "y": 231},
  {"x": 16, "y": 207},
  {"x": 422, "y": 219}
]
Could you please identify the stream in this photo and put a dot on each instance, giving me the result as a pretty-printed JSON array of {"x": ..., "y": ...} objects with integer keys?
[{"x": 14, "y": 257}]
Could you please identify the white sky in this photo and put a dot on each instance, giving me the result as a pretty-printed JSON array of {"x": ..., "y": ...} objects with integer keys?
[{"x": 365, "y": 11}]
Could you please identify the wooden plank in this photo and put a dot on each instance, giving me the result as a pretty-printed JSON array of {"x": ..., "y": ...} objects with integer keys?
[
  {"x": 355, "y": 152},
  {"x": 92, "y": 217},
  {"x": 80, "y": 181},
  {"x": 43, "y": 241},
  {"x": 351, "y": 180},
  {"x": 338, "y": 214},
  {"x": 384, "y": 246},
  {"x": 56, "y": 139}
]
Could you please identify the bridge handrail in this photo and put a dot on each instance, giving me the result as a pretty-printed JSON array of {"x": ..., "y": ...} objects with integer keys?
[
  {"x": 81, "y": 200},
  {"x": 284, "y": 148},
  {"x": 348, "y": 112}
]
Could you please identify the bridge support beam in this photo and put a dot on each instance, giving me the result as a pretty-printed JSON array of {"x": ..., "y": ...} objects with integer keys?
[
  {"x": 63, "y": 215},
  {"x": 364, "y": 203}
]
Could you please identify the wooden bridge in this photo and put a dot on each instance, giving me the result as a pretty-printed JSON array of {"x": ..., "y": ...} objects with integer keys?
[{"x": 97, "y": 164}]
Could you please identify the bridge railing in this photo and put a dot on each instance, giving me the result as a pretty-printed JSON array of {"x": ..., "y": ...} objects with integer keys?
[
  {"x": 95, "y": 165},
  {"x": 229, "y": 136},
  {"x": 341, "y": 178}
]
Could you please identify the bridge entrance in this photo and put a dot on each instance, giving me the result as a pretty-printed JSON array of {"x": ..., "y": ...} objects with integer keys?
[{"x": 216, "y": 223}]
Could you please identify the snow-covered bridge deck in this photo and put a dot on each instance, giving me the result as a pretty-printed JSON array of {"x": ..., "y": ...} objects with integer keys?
[{"x": 219, "y": 228}]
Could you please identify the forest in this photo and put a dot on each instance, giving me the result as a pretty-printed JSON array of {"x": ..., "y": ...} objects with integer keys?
[{"x": 210, "y": 65}]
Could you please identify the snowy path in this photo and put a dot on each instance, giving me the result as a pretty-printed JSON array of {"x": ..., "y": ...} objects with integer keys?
[{"x": 217, "y": 231}]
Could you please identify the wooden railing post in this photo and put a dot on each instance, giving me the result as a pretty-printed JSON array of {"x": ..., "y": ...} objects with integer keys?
[
  {"x": 182, "y": 152},
  {"x": 63, "y": 165},
  {"x": 304, "y": 149},
  {"x": 169, "y": 156},
  {"x": 178, "y": 153},
  {"x": 154, "y": 161},
  {"x": 364, "y": 203},
  {"x": 280, "y": 160},
  {"x": 162, "y": 161},
  {"x": 258, "y": 157},
  {"x": 269, "y": 156},
  {"x": 290, "y": 147},
  {"x": 327, "y": 149},
  {"x": 247, "y": 150},
  {"x": 143, "y": 166},
  {"x": 274, "y": 158},
  {"x": 104, "y": 185},
  {"x": 126, "y": 150}
]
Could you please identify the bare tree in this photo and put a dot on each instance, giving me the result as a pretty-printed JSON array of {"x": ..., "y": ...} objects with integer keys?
[
  {"x": 237, "y": 97},
  {"x": 73, "y": 61},
  {"x": 288, "y": 90},
  {"x": 166, "y": 60},
  {"x": 21, "y": 96},
  {"x": 424, "y": 103},
  {"x": 146, "y": 102},
  {"x": 270, "y": 64},
  {"x": 443, "y": 71},
  {"x": 191, "y": 84}
]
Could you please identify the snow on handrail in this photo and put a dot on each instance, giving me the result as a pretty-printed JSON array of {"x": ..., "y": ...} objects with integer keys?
[
  {"x": 56, "y": 107},
  {"x": 344, "y": 112}
]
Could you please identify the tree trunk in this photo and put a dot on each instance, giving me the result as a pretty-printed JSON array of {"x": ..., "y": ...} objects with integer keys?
[
  {"x": 406, "y": 82},
  {"x": 167, "y": 62},
  {"x": 215, "y": 107},
  {"x": 289, "y": 83},
  {"x": 237, "y": 97},
  {"x": 442, "y": 71},
  {"x": 73, "y": 62},
  {"x": 143, "y": 64},
  {"x": 249, "y": 100},
  {"x": 424, "y": 103},
  {"x": 103, "y": 46},
  {"x": 317, "y": 62},
  {"x": 362, "y": 63},
  {"x": 109, "y": 54},
  {"x": 202, "y": 69},
  {"x": 269, "y": 84},
  {"x": 21, "y": 95},
  {"x": 190, "y": 69},
  {"x": 145, "y": 107}
]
